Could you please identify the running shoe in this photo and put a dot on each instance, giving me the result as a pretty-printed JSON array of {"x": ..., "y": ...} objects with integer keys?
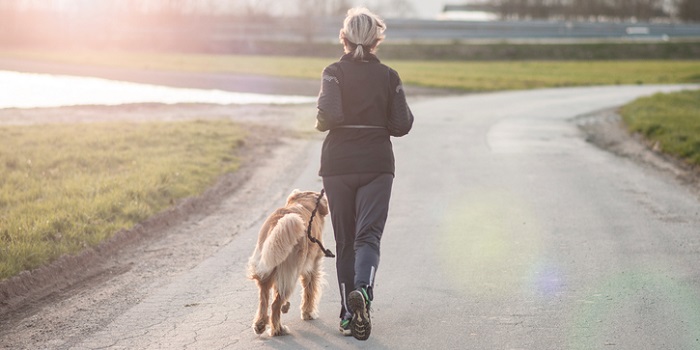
[{"x": 359, "y": 303}]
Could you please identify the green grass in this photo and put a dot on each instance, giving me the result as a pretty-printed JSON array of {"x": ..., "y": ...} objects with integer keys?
[
  {"x": 294, "y": 67},
  {"x": 672, "y": 120},
  {"x": 500, "y": 75},
  {"x": 460, "y": 75},
  {"x": 67, "y": 187}
]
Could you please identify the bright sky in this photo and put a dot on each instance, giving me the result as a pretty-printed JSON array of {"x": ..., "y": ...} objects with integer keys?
[
  {"x": 429, "y": 8},
  {"x": 423, "y": 8}
]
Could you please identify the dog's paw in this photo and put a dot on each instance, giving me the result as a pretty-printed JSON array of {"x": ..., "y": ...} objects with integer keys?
[
  {"x": 260, "y": 325},
  {"x": 285, "y": 308},
  {"x": 309, "y": 315},
  {"x": 283, "y": 330}
]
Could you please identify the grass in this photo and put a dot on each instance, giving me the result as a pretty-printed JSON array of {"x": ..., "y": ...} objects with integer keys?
[
  {"x": 504, "y": 51},
  {"x": 500, "y": 75},
  {"x": 672, "y": 120},
  {"x": 294, "y": 67},
  {"x": 460, "y": 75},
  {"x": 67, "y": 187}
]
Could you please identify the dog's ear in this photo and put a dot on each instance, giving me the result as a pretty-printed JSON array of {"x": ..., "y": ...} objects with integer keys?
[
  {"x": 323, "y": 206},
  {"x": 291, "y": 196}
]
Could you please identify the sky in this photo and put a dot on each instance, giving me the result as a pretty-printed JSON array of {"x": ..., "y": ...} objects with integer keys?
[
  {"x": 428, "y": 8},
  {"x": 422, "y": 8}
]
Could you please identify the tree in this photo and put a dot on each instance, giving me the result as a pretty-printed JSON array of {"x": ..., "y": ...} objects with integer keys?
[
  {"x": 310, "y": 13},
  {"x": 396, "y": 8},
  {"x": 338, "y": 7},
  {"x": 585, "y": 9},
  {"x": 689, "y": 10}
]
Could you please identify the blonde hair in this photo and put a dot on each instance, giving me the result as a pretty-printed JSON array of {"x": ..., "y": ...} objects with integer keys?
[{"x": 362, "y": 31}]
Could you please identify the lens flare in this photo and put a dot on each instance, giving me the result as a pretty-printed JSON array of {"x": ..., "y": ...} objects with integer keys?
[
  {"x": 547, "y": 280},
  {"x": 490, "y": 243}
]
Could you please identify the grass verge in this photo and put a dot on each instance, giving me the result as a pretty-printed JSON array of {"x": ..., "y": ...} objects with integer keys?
[
  {"x": 500, "y": 75},
  {"x": 460, "y": 75},
  {"x": 67, "y": 187},
  {"x": 670, "y": 120}
]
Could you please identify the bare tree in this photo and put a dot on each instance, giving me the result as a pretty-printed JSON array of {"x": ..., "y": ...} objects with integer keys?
[
  {"x": 396, "y": 8},
  {"x": 311, "y": 12},
  {"x": 689, "y": 10},
  {"x": 339, "y": 7},
  {"x": 644, "y": 10}
]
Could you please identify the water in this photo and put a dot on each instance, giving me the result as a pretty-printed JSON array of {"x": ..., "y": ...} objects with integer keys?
[{"x": 29, "y": 90}]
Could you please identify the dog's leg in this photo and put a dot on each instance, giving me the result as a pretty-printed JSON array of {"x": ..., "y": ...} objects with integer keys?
[
  {"x": 285, "y": 307},
  {"x": 311, "y": 292},
  {"x": 276, "y": 328},
  {"x": 261, "y": 318}
]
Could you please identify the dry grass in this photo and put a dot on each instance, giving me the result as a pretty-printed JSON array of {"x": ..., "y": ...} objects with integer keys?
[{"x": 67, "y": 187}]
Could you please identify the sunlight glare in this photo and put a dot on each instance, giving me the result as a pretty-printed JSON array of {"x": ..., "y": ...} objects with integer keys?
[{"x": 25, "y": 90}]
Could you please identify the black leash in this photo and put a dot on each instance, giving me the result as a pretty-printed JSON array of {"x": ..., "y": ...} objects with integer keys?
[{"x": 327, "y": 252}]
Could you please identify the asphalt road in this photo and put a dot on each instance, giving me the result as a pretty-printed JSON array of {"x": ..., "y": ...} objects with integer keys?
[{"x": 507, "y": 231}]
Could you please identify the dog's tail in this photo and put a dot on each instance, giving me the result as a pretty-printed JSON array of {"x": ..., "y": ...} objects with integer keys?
[{"x": 279, "y": 244}]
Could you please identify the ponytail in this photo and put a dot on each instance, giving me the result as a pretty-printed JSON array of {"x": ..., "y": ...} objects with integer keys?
[
  {"x": 361, "y": 33},
  {"x": 359, "y": 52}
]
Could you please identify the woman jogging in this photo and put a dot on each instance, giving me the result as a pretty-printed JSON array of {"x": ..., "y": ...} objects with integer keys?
[{"x": 361, "y": 104}]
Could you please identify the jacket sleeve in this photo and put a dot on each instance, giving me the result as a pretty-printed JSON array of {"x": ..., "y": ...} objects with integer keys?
[
  {"x": 400, "y": 116},
  {"x": 330, "y": 104}
]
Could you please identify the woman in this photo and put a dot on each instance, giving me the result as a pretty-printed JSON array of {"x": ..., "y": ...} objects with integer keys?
[{"x": 361, "y": 104}]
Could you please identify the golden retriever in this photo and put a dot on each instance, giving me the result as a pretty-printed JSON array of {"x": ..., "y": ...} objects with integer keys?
[{"x": 284, "y": 254}]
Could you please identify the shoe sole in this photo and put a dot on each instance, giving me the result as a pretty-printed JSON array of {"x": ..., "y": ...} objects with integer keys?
[{"x": 360, "y": 326}]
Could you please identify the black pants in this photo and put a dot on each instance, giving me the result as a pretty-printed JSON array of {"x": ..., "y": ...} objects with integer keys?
[{"x": 359, "y": 204}]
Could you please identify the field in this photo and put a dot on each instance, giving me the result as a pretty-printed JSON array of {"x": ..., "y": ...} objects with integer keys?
[
  {"x": 491, "y": 76},
  {"x": 459, "y": 75},
  {"x": 66, "y": 187}
]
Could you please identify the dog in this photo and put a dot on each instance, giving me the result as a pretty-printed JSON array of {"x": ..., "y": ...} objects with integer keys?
[{"x": 284, "y": 254}]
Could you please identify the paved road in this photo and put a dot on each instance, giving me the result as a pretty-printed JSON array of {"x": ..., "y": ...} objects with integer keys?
[{"x": 507, "y": 231}]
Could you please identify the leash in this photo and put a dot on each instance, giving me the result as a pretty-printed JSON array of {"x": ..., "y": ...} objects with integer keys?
[{"x": 327, "y": 252}]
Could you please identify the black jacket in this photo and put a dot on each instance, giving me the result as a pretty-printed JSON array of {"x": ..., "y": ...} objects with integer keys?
[{"x": 362, "y": 103}]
